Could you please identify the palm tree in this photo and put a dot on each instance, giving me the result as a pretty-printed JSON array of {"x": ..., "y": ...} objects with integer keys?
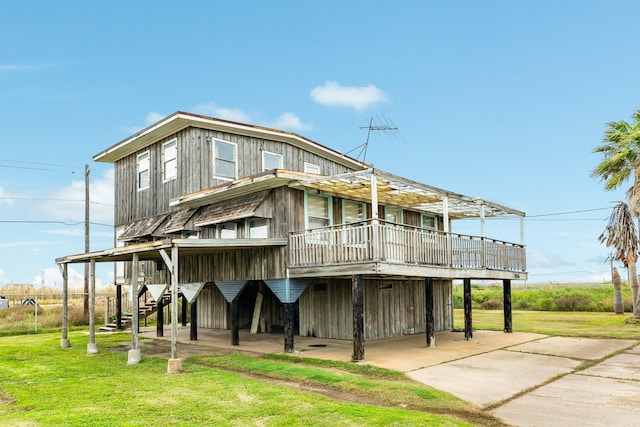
[
  {"x": 620, "y": 234},
  {"x": 621, "y": 150}
]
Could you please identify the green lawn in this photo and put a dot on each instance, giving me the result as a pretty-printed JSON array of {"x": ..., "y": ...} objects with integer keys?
[
  {"x": 42, "y": 384},
  {"x": 570, "y": 324}
]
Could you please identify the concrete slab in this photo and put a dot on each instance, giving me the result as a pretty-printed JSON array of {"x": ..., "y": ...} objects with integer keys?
[
  {"x": 577, "y": 400},
  {"x": 634, "y": 350},
  {"x": 624, "y": 366},
  {"x": 489, "y": 378},
  {"x": 577, "y": 348}
]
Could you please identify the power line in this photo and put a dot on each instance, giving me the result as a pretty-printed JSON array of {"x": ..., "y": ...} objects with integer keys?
[
  {"x": 53, "y": 200},
  {"x": 70, "y": 223}
]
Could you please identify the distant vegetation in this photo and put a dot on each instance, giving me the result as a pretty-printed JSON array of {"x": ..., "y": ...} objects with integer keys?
[
  {"x": 546, "y": 297},
  {"x": 18, "y": 319}
]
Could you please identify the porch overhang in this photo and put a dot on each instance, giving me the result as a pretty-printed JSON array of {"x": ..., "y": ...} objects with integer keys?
[
  {"x": 150, "y": 251},
  {"x": 397, "y": 191},
  {"x": 386, "y": 269}
]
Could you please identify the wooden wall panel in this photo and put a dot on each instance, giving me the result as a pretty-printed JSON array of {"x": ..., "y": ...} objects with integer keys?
[{"x": 392, "y": 308}]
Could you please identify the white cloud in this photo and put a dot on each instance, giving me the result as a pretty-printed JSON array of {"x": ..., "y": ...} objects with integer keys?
[
  {"x": 153, "y": 117},
  {"x": 212, "y": 110},
  {"x": 5, "y": 197},
  {"x": 71, "y": 208},
  {"x": 53, "y": 278},
  {"x": 356, "y": 97},
  {"x": 539, "y": 260},
  {"x": 29, "y": 244},
  {"x": 287, "y": 120},
  {"x": 290, "y": 121}
]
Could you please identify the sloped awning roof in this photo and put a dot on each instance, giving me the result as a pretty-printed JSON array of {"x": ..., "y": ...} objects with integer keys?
[
  {"x": 179, "y": 220},
  {"x": 142, "y": 228},
  {"x": 231, "y": 209}
]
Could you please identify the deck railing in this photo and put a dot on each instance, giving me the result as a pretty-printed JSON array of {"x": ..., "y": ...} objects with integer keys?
[{"x": 382, "y": 241}]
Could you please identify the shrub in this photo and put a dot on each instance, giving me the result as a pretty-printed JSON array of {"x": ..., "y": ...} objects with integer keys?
[
  {"x": 573, "y": 304},
  {"x": 492, "y": 304}
]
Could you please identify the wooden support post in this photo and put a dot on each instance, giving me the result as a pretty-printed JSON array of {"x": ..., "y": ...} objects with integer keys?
[
  {"x": 160, "y": 318},
  {"x": 184, "y": 311},
  {"x": 288, "y": 328},
  {"x": 357, "y": 293},
  {"x": 134, "y": 352},
  {"x": 468, "y": 325},
  {"x": 235, "y": 322},
  {"x": 430, "y": 323},
  {"x": 506, "y": 291},
  {"x": 64, "y": 341},
  {"x": 92, "y": 347},
  {"x": 119, "y": 307},
  {"x": 174, "y": 305},
  {"x": 193, "y": 331}
]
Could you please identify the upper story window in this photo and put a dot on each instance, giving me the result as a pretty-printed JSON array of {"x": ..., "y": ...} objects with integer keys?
[
  {"x": 271, "y": 161},
  {"x": 258, "y": 228},
  {"x": 311, "y": 168},
  {"x": 143, "y": 170},
  {"x": 353, "y": 211},
  {"x": 393, "y": 214},
  {"x": 228, "y": 230},
  {"x": 428, "y": 221},
  {"x": 318, "y": 211},
  {"x": 170, "y": 160},
  {"x": 225, "y": 156}
]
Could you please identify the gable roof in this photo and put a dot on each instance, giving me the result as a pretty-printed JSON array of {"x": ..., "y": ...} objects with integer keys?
[{"x": 181, "y": 120}]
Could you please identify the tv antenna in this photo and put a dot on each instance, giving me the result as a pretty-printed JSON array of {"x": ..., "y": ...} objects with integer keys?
[{"x": 377, "y": 125}]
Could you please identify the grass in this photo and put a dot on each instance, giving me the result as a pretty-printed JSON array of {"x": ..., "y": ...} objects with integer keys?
[
  {"x": 42, "y": 384},
  {"x": 569, "y": 324}
]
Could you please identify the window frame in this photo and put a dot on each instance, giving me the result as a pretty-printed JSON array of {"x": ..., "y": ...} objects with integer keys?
[
  {"x": 306, "y": 209},
  {"x": 214, "y": 150},
  {"x": 307, "y": 166},
  {"x": 173, "y": 142},
  {"x": 431, "y": 216},
  {"x": 362, "y": 206},
  {"x": 221, "y": 228},
  {"x": 139, "y": 157},
  {"x": 265, "y": 154},
  {"x": 400, "y": 219},
  {"x": 251, "y": 227}
]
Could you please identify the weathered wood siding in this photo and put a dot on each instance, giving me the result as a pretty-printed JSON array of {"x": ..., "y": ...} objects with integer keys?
[
  {"x": 392, "y": 307},
  {"x": 195, "y": 170},
  {"x": 213, "y": 309}
]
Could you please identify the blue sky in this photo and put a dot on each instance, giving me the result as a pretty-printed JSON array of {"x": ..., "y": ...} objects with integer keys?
[{"x": 500, "y": 100}]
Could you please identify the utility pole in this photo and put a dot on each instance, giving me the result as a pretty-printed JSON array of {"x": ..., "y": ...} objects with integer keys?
[{"x": 86, "y": 241}]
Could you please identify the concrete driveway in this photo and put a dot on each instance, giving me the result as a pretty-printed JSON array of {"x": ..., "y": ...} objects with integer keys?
[{"x": 524, "y": 379}]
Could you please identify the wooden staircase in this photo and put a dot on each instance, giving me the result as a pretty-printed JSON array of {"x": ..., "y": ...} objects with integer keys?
[{"x": 144, "y": 310}]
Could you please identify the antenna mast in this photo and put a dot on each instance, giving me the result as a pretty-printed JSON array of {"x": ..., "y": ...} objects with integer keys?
[{"x": 371, "y": 127}]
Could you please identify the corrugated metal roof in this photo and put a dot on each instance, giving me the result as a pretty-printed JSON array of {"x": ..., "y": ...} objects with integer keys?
[
  {"x": 142, "y": 228},
  {"x": 232, "y": 209}
]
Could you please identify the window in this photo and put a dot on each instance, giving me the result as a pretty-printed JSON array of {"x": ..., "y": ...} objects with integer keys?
[
  {"x": 311, "y": 168},
  {"x": 428, "y": 221},
  {"x": 352, "y": 211},
  {"x": 271, "y": 161},
  {"x": 318, "y": 211},
  {"x": 143, "y": 170},
  {"x": 393, "y": 214},
  {"x": 229, "y": 231},
  {"x": 258, "y": 228},
  {"x": 170, "y": 160},
  {"x": 224, "y": 160}
]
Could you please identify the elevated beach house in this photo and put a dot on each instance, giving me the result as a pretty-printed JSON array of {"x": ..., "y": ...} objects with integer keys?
[{"x": 259, "y": 226}]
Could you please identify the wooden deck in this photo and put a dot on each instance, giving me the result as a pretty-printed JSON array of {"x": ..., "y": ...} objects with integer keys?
[{"x": 375, "y": 246}]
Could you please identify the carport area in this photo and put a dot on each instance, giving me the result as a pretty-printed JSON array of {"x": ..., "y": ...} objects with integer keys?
[{"x": 525, "y": 379}]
